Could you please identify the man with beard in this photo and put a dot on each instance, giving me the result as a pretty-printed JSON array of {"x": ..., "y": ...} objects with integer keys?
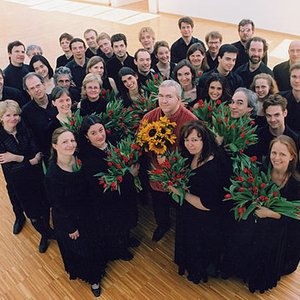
[
  {"x": 121, "y": 59},
  {"x": 282, "y": 70},
  {"x": 246, "y": 32},
  {"x": 256, "y": 48}
]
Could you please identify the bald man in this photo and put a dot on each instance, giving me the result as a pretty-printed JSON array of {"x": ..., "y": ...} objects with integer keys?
[{"x": 281, "y": 71}]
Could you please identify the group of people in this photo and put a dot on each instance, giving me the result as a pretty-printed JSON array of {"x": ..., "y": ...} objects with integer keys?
[{"x": 47, "y": 167}]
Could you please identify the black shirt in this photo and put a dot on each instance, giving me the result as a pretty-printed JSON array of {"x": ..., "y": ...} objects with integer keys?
[
  {"x": 88, "y": 107},
  {"x": 89, "y": 53},
  {"x": 293, "y": 117},
  {"x": 62, "y": 60},
  {"x": 38, "y": 119},
  {"x": 78, "y": 72},
  {"x": 180, "y": 48},
  {"x": 248, "y": 76},
  {"x": 13, "y": 94},
  {"x": 212, "y": 63},
  {"x": 143, "y": 78},
  {"x": 282, "y": 75}
]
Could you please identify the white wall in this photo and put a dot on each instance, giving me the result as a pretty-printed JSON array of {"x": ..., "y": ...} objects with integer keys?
[{"x": 276, "y": 15}]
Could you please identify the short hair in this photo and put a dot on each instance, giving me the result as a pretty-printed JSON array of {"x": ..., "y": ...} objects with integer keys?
[
  {"x": 270, "y": 80},
  {"x": 93, "y": 61},
  {"x": 295, "y": 66},
  {"x": 251, "y": 97},
  {"x": 13, "y": 44},
  {"x": 87, "y": 79},
  {"x": 274, "y": 100},
  {"x": 77, "y": 40},
  {"x": 103, "y": 36},
  {"x": 181, "y": 64},
  {"x": 172, "y": 83},
  {"x": 159, "y": 44},
  {"x": 227, "y": 48},
  {"x": 187, "y": 20},
  {"x": 33, "y": 47},
  {"x": 1, "y": 73},
  {"x": 118, "y": 37},
  {"x": 9, "y": 105},
  {"x": 42, "y": 59},
  {"x": 66, "y": 36},
  {"x": 257, "y": 39},
  {"x": 148, "y": 30},
  {"x": 244, "y": 22},
  {"x": 58, "y": 91},
  {"x": 140, "y": 50},
  {"x": 61, "y": 71},
  {"x": 90, "y": 30},
  {"x": 210, "y": 146},
  {"x": 213, "y": 35},
  {"x": 198, "y": 47},
  {"x": 30, "y": 75}
]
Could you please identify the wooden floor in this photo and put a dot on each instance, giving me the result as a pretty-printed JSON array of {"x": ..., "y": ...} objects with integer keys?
[{"x": 26, "y": 274}]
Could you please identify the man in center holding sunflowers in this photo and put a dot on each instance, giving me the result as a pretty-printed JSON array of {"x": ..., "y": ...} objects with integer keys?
[{"x": 170, "y": 106}]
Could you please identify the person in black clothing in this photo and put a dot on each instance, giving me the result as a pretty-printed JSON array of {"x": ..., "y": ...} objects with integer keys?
[
  {"x": 64, "y": 42},
  {"x": 147, "y": 39},
  {"x": 79, "y": 62},
  {"x": 121, "y": 58},
  {"x": 246, "y": 31},
  {"x": 16, "y": 69},
  {"x": 213, "y": 41},
  {"x": 104, "y": 42},
  {"x": 226, "y": 61},
  {"x": 38, "y": 113},
  {"x": 199, "y": 236},
  {"x": 142, "y": 60},
  {"x": 275, "y": 110},
  {"x": 117, "y": 213},
  {"x": 91, "y": 97},
  {"x": 180, "y": 47},
  {"x": 197, "y": 56},
  {"x": 20, "y": 161},
  {"x": 264, "y": 86},
  {"x": 97, "y": 66},
  {"x": 163, "y": 66},
  {"x": 90, "y": 36},
  {"x": 293, "y": 98},
  {"x": 7, "y": 92},
  {"x": 282, "y": 70},
  {"x": 75, "y": 222},
  {"x": 256, "y": 48}
]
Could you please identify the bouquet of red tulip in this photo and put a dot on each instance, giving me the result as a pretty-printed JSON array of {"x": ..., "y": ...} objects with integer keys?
[
  {"x": 74, "y": 121},
  {"x": 119, "y": 161},
  {"x": 251, "y": 188},
  {"x": 156, "y": 136},
  {"x": 152, "y": 86},
  {"x": 203, "y": 110},
  {"x": 173, "y": 172}
]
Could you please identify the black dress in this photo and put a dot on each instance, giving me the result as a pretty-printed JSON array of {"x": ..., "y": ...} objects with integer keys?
[
  {"x": 260, "y": 250},
  {"x": 117, "y": 214},
  {"x": 198, "y": 233},
  {"x": 24, "y": 181},
  {"x": 83, "y": 258}
]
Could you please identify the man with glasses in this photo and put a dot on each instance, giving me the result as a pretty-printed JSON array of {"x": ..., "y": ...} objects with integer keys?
[{"x": 213, "y": 41}]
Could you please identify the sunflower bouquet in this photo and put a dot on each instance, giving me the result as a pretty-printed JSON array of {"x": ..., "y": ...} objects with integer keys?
[
  {"x": 156, "y": 136},
  {"x": 251, "y": 188},
  {"x": 173, "y": 172},
  {"x": 119, "y": 161},
  {"x": 74, "y": 121}
]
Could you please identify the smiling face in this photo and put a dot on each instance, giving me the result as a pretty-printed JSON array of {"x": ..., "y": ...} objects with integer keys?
[
  {"x": 295, "y": 79},
  {"x": 17, "y": 55},
  {"x": 226, "y": 62},
  {"x": 36, "y": 89},
  {"x": 97, "y": 135},
  {"x": 168, "y": 100},
  {"x": 64, "y": 81},
  {"x": 280, "y": 157},
  {"x": 97, "y": 69},
  {"x": 63, "y": 104},
  {"x": 41, "y": 69},
  {"x": 147, "y": 40},
  {"x": 10, "y": 119},
  {"x": 262, "y": 88},
  {"x": 143, "y": 62},
  {"x": 163, "y": 55},
  {"x": 196, "y": 58},
  {"x": 130, "y": 82},
  {"x": 186, "y": 30},
  {"x": 275, "y": 116},
  {"x": 213, "y": 45},
  {"x": 66, "y": 144},
  {"x": 215, "y": 90},
  {"x": 185, "y": 77},
  {"x": 193, "y": 143},
  {"x": 256, "y": 52},
  {"x": 239, "y": 105},
  {"x": 246, "y": 32},
  {"x": 65, "y": 45},
  {"x": 93, "y": 90}
]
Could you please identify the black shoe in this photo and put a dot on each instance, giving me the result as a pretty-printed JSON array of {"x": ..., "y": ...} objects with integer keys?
[
  {"x": 51, "y": 235},
  {"x": 43, "y": 246},
  {"x": 159, "y": 233},
  {"x": 126, "y": 255},
  {"x": 96, "y": 291},
  {"x": 133, "y": 242},
  {"x": 18, "y": 225}
]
